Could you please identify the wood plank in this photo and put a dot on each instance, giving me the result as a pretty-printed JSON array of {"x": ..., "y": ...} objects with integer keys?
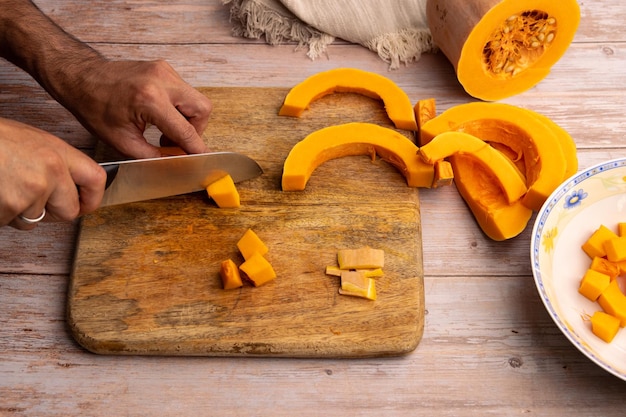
[
  {"x": 586, "y": 68},
  {"x": 478, "y": 329},
  {"x": 206, "y": 22},
  {"x": 146, "y": 279}
]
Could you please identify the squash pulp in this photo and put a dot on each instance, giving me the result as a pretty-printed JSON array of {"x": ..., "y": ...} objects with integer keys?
[
  {"x": 351, "y": 80},
  {"x": 354, "y": 139}
]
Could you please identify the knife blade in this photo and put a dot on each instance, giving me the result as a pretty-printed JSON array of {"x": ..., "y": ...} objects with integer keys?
[{"x": 147, "y": 179}]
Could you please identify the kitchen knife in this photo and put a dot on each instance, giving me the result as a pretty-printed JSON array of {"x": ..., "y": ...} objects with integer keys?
[{"x": 147, "y": 179}]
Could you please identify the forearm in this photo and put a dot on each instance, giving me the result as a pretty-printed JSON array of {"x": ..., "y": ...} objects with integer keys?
[{"x": 32, "y": 41}]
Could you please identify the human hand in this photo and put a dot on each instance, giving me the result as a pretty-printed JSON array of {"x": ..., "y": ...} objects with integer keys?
[
  {"x": 39, "y": 170},
  {"x": 118, "y": 100}
]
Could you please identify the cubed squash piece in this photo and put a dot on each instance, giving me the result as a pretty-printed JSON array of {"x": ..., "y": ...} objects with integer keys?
[
  {"x": 356, "y": 284},
  {"x": 229, "y": 272},
  {"x": 622, "y": 267},
  {"x": 333, "y": 270},
  {"x": 615, "y": 249},
  {"x": 593, "y": 283},
  {"x": 362, "y": 258},
  {"x": 621, "y": 229},
  {"x": 594, "y": 246},
  {"x": 258, "y": 269},
  {"x": 224, "y": 192},
  {"x": 613, "y": 302},
  {"x": 604, "y": 325},
  {"x": 250, "y": 243},
  {"x": 444, "y": 174},
  {"x": 604, "y": 266}
]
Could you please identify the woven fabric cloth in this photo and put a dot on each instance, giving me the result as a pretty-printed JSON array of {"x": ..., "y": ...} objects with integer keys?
[{"x": 396, "y": 30}]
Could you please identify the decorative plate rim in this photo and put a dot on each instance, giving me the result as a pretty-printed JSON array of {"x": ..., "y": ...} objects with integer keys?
[{"x": 537, "y": 232}]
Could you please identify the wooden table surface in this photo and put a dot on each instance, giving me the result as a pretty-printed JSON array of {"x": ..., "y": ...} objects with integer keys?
[{"x": 489, "y": 346}]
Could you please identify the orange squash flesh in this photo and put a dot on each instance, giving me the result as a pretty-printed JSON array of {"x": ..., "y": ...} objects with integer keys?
[
  {"x": 498, "y": 219},
  {"x": 518, "y": 129},
  {"x": 224, "y": 193},
  {"x": 500, "y": 48},
  {"x": 425, "y": 110},
  {"x": 504, "y": 172},
  {"x": 351, "y": 80},
  {"x": 229, "y": 273},
  {"x": 604, "y": 325},
  {"x": 354, "y": 139}
]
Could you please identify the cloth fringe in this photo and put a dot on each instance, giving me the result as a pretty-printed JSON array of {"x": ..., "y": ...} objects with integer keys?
[
  {"x": 253, "y": 20},
  {"x": 404, "y": 47}
]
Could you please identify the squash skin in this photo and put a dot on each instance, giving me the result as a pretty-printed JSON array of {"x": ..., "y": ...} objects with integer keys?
[
  {"x": 461, "y": 30},
  {"x": 354, "y": 139},
  {"x": 352, "y": 80},
  {"x": 517, "y": 128},
  {"x": 504, "y": 172},
  {"x": 498, "y": 219}
]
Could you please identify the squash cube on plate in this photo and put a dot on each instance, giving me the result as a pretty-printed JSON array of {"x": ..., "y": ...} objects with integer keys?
[
  {"x": 594, "y": 246},
  {"x": 615, "y": 249},
  {"x": 604, "y": 325},
  {"x": 603, "y": 265},
  {"x": 593, "y": 283},
  {"x": 613, "y": 302}
]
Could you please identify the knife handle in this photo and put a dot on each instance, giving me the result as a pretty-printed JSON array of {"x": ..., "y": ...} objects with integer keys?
[{"x": 111, "y": 170}]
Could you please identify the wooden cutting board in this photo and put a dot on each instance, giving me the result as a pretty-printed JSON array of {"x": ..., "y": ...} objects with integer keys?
[{"x": 145, "y": 279}]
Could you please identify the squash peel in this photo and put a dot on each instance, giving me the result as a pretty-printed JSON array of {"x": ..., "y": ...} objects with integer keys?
[
  {"x": 354, "y": 139},
  {"x": 397, "y": 103},
  {"x": 500, "y": 48}
]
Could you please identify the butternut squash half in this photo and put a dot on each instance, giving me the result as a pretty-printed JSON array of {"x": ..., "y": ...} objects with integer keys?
[
  {"x": 498, "y": 219},
  {"x": 504, "y": 173},
  {"x": 351, "y": 80},
  {"x": 545, "y": 165},
  {"x": 500, "y": 48},
  {"x": 354, "y": 139}
]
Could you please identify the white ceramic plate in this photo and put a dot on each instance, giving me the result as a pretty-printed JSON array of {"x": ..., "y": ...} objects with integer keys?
[{"x": 567, "y": 219}]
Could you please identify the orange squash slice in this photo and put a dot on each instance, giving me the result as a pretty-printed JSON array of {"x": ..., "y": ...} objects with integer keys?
[
  {"x": 354, "y": 139},
  {"x": 500, "y": 48},
  {"x": 351, "y": 80},
  {"x": 516, "y": 128},
  {"x": 504, "y": 172},
  {"x": 499, "y": 219}
]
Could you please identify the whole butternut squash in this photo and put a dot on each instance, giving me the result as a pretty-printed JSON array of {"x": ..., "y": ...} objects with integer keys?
[{"x": 500, "y": 48}]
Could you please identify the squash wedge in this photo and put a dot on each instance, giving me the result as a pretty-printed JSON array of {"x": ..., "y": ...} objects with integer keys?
[
  {"x": 351, "y": 80},
  {"x": 500, "y": 48},
  {"x": 354, "y": 139},
  {"x": 504, "y": 171},
  {"x": 519, "y": 130},
  {"x": 498, "y": 219}
]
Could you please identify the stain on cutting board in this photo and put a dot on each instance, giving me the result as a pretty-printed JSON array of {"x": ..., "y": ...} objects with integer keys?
[{"x": 145, "y": 279}]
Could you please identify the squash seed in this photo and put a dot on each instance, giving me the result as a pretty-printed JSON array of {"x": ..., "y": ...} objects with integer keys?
[{"x": 518, "y": 43}]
